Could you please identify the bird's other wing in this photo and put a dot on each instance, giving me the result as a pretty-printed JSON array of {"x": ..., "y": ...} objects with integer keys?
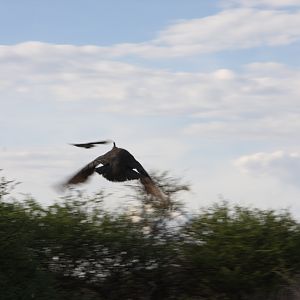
[
  {"x": 85, "y": 145},
  {"x": 149, "y": 185},
  {"x": 83, "y": 174},
  {"x": 92, "y": 144},
  {"x": 152, "y": 189}
]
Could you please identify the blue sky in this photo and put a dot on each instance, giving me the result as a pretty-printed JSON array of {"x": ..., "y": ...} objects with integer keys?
[
  {"x": 217, "y": 82},
  {"x": 93, "y": 22}
]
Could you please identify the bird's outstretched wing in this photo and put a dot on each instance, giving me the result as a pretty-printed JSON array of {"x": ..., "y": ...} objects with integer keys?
[
  {"x": 152, "y": 189},
  {"x": 83, "y": 174},
  {"x": 92, "y": 144},
  {"x": 149, "y": 185}
]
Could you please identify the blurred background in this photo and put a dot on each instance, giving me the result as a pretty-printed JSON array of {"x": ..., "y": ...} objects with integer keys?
[
  {"x": 205, "y": 94},
  {"x": 77, "y": 249}
]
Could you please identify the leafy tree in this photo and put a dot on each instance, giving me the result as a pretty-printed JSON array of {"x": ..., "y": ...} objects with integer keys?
[
  {"x": 241, "y": 251},
  {"x": 75, "y": 249},
  {"x": 21, "y": 274}
]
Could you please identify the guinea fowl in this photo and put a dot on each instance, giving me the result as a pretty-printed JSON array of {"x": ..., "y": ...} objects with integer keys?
[{"x": 117, "y": 165}]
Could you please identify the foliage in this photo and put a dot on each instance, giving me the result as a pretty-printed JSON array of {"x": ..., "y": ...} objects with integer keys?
[
  {"x": 242, "y": 251},
  {"x": 75, "y": 249}
]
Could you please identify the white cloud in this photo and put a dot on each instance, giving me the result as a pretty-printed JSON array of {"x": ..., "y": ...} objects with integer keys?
[
  {"x": 279, "y": 164},
  {"x": 227, "y": 182},
  {"x": 259, "y": 3},
  {"x": 261, "y": 100},
  {"x": 282, "y": 126},
  {"x": 231, "y": 29},
  {"x": 37, "y": 169}
]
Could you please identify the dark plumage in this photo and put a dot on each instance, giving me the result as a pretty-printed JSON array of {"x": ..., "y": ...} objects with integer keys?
[
  {"x": 91, "y": 145},
  {"x": 117, "y": 165}
]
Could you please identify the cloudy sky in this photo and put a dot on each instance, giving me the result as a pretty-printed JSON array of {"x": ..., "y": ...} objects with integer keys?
[{"x": 208, "y": 90}]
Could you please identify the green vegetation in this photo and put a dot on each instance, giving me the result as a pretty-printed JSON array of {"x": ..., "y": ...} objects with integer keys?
[{"x": 75, "y": 249}]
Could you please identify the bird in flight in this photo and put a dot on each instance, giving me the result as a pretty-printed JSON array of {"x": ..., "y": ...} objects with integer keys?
[{"x": 116, "y": 165}]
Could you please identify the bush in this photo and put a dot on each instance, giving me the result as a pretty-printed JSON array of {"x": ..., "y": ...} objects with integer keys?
[{"x": 75, "y": 249}]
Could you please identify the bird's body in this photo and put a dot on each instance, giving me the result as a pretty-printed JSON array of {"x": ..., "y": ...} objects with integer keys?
[
  {"x": 116, "y": 165},
  {"x": 121, "y": 166}
]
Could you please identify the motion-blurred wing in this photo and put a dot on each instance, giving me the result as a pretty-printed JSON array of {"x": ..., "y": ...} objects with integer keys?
[
  {"x": 92, "y": 144},
  {"x": 83, "y": 174},
  {"x": 152, "y": 189},
  {"x": 80, "y": 176},
  {"x": 87, "y": 145}
]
